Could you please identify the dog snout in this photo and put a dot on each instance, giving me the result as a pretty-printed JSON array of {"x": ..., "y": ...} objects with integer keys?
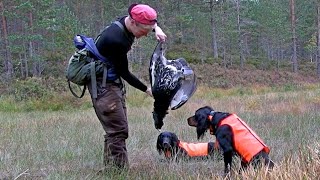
[
  {"x": 167, "y": 149},
  {"x": 166, "y": 145}
]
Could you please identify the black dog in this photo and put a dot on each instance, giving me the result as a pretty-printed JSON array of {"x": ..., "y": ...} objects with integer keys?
[
  {"x": 233, "y": 136},
  {"x": 169, "y": 144}
]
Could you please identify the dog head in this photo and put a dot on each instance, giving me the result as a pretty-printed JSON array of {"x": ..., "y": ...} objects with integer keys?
[
  {"x": 200, "y": 120},
  {"x": 167, "y": 143}
]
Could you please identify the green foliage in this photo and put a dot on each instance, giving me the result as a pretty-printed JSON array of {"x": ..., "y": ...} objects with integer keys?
[
  {"x": 8, "y": 104},
  {"x": 191, "y": 54},
  {"x": 32, "y": 88},
  {"x": 289, "y": 88},
  {"x": 36, "y": 94}
]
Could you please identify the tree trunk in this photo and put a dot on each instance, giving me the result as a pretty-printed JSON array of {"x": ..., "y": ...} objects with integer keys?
[
  {"x": 318, "y": 40},
  {"x": 214, "y": 31},
  {"x": 35, "y": 63},
  {"x": 179, "y": 23},
  {"x": 246, "y": 45},
  {"x": 21, "y": 67},
  {"x": 102, "y": 16},
  {"x": 294, "y": 38},
  {"x": 224, "y": 41},
  {"x": 8, "y": 67},
  {"x": 240, "y": 35},
  {"x": 26, "y": 65}
]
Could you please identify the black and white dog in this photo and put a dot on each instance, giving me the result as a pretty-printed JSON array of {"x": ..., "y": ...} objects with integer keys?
[
  {"x": 169, "y": 144},
  {"x": 233, "y": 136}
]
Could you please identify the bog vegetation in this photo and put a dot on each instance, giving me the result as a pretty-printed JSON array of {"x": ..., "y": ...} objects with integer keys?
[{"x": 67, "y": 144}]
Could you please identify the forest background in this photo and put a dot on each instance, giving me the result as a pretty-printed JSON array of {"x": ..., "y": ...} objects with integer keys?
[{"x": 231, "y": 42}]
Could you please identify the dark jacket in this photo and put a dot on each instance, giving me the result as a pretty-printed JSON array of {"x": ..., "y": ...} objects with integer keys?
[{"x": 114, "y": 45}]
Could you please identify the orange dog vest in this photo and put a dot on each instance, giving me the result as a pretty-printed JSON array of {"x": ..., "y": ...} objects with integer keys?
[
  {"x": 194, "y": 149},
  {"x": 247, "y": 143}
]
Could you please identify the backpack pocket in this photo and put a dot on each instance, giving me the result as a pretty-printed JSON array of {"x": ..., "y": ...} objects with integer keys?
[{"x": 78, "y": 70}]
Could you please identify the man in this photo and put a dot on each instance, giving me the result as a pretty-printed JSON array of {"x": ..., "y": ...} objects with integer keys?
[{"x": 114, "y": 43}]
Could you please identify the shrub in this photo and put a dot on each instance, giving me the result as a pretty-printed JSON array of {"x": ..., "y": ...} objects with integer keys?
[
  {"x": 32, "y": 88},
  {"x": 41, "y": 94}
]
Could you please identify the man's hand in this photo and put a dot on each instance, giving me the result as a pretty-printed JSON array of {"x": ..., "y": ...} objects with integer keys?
[
  {"x": 160, "y": 35},
  {"x": 149, "y": 92}
]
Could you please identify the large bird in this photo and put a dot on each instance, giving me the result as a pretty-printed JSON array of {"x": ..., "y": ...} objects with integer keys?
[{"x": 173, "y": 82}]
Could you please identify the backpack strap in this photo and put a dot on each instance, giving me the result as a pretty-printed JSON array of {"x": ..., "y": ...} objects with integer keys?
[
  {"x": 73, "y": 93},
  {"x": 105, "y": 69},
  {"x": 122, "y": 28},
  {"x": 93, "y": 83},
  {"x": 93, "y": 79},
  {"x": 79, "y": 86},
  {"x": 104, "y": 76}
]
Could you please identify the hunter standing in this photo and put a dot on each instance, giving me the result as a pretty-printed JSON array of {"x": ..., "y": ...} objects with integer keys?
[{"x": 110, "y": 106}]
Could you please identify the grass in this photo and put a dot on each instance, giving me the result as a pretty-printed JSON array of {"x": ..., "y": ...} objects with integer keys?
[{"x": 68, "y": 144}]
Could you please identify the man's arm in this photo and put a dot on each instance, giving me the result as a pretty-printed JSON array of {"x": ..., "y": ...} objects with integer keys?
[
  {"x": 160, "y": 35},
  {"x": 121, "y": 66}
]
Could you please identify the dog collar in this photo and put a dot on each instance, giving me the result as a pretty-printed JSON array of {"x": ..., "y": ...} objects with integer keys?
[{"x": 210, "y": 120}]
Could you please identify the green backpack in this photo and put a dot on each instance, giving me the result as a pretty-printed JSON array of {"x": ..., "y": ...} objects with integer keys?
[
  {"x": 78, "y": 67},
  {"x": 82, "y": 68}
]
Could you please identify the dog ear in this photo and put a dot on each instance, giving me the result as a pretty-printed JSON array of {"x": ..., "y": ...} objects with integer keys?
[
  {"x": 159, "y": 142},
  {"x": 174, "y": 139},
  {"x": 202, "y": 123},
  {"x": 192, "y": 121},
  {"x": 174, "y": 142}
]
